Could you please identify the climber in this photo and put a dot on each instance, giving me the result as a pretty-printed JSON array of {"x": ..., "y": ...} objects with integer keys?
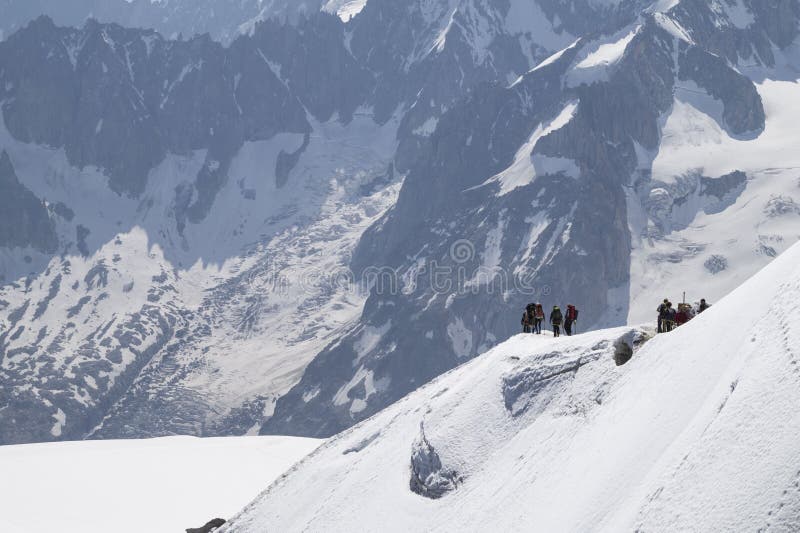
[
  {"x": 538, "y": 318},
  {"x": 682, "y": 316},
  {"x": 555, "y": 320},
  {"x": 662, "y": 312},
  {"x": 703, "y": 306},
  {"x": 668, "y": 318},
  {"x": 526, "y": 319},
  {"x": 571, "y": 318}
]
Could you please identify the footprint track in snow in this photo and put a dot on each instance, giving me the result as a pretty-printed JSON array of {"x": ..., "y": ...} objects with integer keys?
[{"x": 783, "y": 514}]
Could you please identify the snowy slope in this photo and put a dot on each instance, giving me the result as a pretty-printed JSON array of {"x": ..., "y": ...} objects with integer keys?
[
  {"x": 698, "y": 432},
  {"x": 615, "y": 171},
  {"x": 159, "y": 485}
]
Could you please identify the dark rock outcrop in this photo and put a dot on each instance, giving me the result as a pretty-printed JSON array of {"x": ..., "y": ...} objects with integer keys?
[
  {"x": 429, "y": 478},
  {"x": 211, "y": 525},
  {"x": 24, "y": 218},
  {"x": 121, "y": 99},
  {"x": 448, "y": 198}
]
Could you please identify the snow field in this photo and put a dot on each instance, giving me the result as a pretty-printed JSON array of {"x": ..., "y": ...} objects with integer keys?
[{"x": 161, "y": 485}]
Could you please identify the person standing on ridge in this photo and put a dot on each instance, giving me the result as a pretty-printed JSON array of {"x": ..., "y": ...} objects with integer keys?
[
  {"x": 662, "y": 314},
  {"x": 538, "y": 318},
  {"x": 703, "y": 306},
  {"x": 668, "y": 321},
  {"x": 571, "y": 318},
  {"x": 682, "y": 316},
  {"x": 526, "y": 320},
  {"x": 555, "y": 320}
]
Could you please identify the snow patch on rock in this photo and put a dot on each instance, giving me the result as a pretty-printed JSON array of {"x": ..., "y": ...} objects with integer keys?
[
  {"x": 523, "y": 170},
  {"x": 460, "y": 338},
  {"x": 592, "y": 66}
]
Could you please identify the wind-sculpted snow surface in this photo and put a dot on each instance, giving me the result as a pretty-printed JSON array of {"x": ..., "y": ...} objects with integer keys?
[
  {"x": 593, "y": 152},
  {"x": 697, "y": 432}
]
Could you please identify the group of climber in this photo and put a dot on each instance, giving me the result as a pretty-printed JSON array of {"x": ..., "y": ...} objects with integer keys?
[
  {"x": 670, "y": 318},
  {"x": 533, "y": 317}
]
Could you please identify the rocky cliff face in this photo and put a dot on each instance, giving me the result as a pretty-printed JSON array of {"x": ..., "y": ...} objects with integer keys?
[
  {"x": 200, "y": 218},
  {"x": 249, "y": 159},
  {"x": 95, "y": 90},
  {"x": 224, "y": 20},
  {"x": 521, "y": 196},
  {"x": 26, "y": 220}
]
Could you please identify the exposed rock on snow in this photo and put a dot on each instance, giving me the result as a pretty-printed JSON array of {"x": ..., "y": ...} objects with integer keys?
[
  {"x": 211, "y": 525},
  {"x": 779, "y": 205},
  {"x": 428, "y": 477},
  {"x": 716, "y": 264}
]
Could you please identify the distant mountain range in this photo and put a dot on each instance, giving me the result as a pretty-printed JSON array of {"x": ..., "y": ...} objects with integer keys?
[{"x": 224, "y": 20}]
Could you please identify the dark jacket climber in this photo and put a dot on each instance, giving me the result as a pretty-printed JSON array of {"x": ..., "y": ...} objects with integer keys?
[
  {"x": 556, "y": 318},
  {"x": 670, "y": 317},
  {"x": 570, "y": 319},
  {"x": 662, "y": 309},
  {"x": 703, "y": 305},
  {"x": 526, "y": 324}
]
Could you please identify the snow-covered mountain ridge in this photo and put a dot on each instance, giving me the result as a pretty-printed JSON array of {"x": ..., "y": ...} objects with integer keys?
[
  {"x": 156, "y": 192},
  {"x": 696, "y": 432}
]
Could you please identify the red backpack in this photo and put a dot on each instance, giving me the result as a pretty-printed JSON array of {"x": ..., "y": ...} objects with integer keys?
[{"x": 572, "y": 313}]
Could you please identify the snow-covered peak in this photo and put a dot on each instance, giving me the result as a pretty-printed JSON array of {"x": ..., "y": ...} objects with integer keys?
[
  {"x": 344, "y": 9},
  {"x": 696, "y": 432},
  {"x": 595, "y": 60}
]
